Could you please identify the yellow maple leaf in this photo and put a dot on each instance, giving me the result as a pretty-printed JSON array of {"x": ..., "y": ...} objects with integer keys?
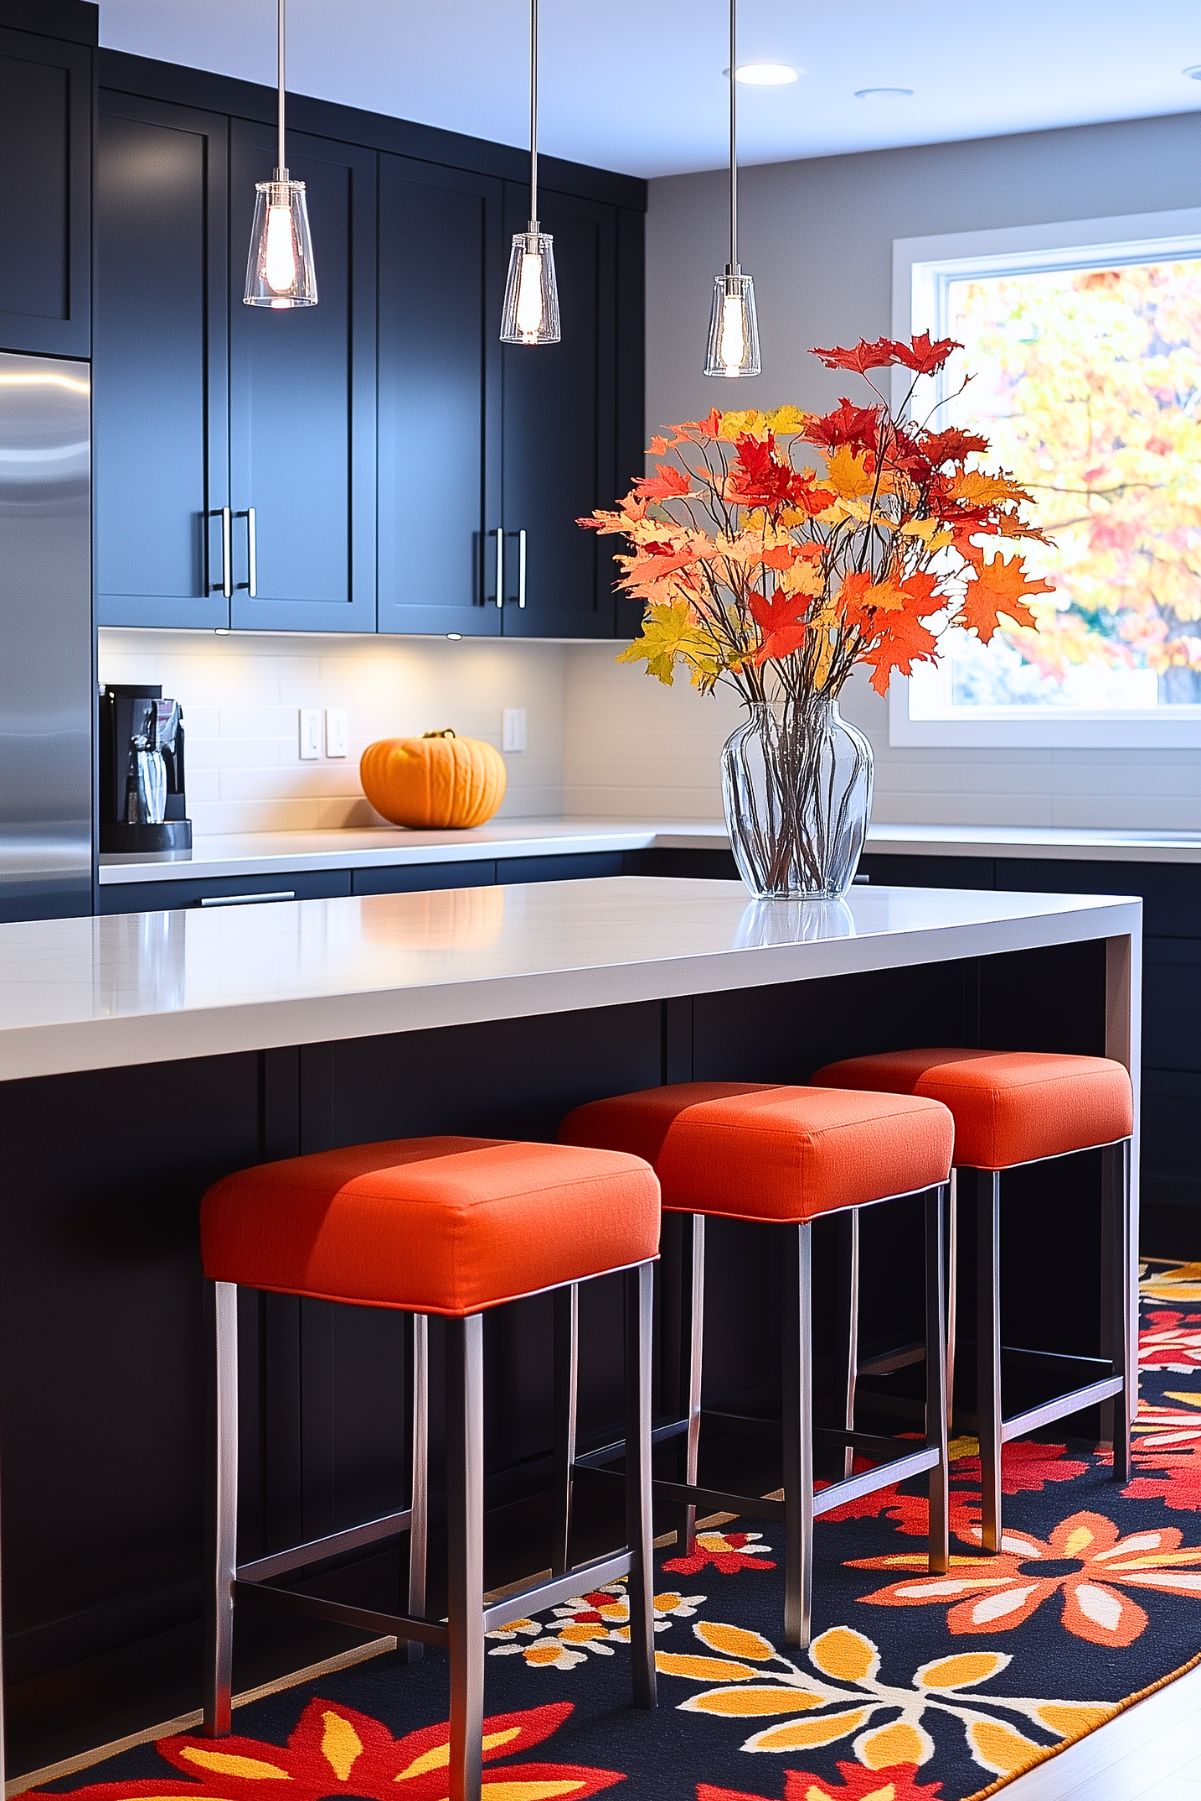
[
  {"x": 847, "y": 474},
  {"x": 786, "y": 421},
  {"x": 978, "y": 489},
  {"x": 746, "y": 424},
  {"x": 928, "y": 531},
  {"x": 804, "y": 577},
  {"x": 670, "y": 634}
]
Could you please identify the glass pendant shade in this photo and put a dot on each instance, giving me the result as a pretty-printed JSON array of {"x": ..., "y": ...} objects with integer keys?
[
  {"x": 280, "y": 271},
  {"x": 733, "y": 326},
  {"x": 531, "y": 309}
]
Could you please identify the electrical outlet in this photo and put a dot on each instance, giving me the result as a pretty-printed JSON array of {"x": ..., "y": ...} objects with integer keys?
[
  {"x": 512, "y": 735},
  {"x": 337, "y": 732},
  {"x": 310, "y": 734}
]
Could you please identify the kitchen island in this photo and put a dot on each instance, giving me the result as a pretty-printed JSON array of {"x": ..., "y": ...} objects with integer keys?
[{"x": 143, "y": 1055}]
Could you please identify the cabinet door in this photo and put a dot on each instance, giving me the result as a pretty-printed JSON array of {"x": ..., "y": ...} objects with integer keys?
[
  {"x": 302, "y": 416},
  {"x": 441, "y": 279},
  {"x": 161, "y": 366},
  {"x": 559, "y": 433},
  {"x": 45, "y": 198}
]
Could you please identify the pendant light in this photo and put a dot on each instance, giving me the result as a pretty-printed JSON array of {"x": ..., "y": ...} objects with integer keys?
[
  {"x": 733, "y": 327},
  {"x": 280, "y": 272},
  {"x": 531, "y": 309}
]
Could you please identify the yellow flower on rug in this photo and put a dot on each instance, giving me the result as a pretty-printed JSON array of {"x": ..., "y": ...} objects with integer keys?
[{"x": 837, "y": 1694}]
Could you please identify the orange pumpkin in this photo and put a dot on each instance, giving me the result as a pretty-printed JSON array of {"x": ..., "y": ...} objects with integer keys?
[{"x": 433, "y": 782}]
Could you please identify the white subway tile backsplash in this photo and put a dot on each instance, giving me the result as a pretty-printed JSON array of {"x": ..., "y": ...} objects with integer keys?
[{"x": 241, "y": 695}]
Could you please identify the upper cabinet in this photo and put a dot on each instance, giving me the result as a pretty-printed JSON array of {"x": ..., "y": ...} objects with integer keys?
[
  {"x": 164, "y": 540},
  {"x": 440, "y": 283},
  {"x": 45, "y": 199},
  {"x": 302, "y": 402},
  {"x": 560, "y": 431},
  {"x": 379, "y": 461}
]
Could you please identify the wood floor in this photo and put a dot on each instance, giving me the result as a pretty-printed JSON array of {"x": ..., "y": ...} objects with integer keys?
[{"x": 1150, "y": 1753}]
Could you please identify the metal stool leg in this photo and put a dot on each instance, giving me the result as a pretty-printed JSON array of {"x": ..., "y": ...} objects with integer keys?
[
  {"x": 465, "y": 1551},
  {"x": 223, "y": 1514},
  {"x": 852, "y": 1363},
  {"x": 419, "y": 1380},
  {"x": 1118, "y": 1302},
  {"x": 952, "y": 1292},
  {"x": 988, "y": 1352},
  {"x": 639, "y": 1309},
  {"x": 798, "y": 1439},
  {"x": 693, "y": 1277},
  {"x": 566, "y": 1354},
  {"x": 936, "y": 1385}
]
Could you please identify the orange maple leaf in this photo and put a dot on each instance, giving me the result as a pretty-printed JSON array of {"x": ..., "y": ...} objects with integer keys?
[
  {"x": 1000, "y": 586},
  {"x": 667, "y": 483},
  {"x": 903, "y": 642},
  {"x": 781, "y": 621}
]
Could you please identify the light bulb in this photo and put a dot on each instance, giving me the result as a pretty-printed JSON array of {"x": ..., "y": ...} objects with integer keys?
[
  {"x": 733, "y": 332},
  {"x": 279, "y": 256},
  {"x": 529, "y": 295}
]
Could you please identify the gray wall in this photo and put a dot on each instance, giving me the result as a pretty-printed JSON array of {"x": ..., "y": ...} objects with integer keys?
[{"x": 817, "y": 236}]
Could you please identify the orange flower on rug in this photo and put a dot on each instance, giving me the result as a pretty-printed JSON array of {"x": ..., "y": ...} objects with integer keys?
[
  {"x": 1085, "y": 1561},
  {"x": 854, "y": 1784},
  {"x": 338, "y": 1749}
]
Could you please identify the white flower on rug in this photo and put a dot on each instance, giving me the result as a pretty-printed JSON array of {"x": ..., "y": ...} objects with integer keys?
[
  {"x": 595, "y": 1622},
  {"x": 840, "y": 1695}
]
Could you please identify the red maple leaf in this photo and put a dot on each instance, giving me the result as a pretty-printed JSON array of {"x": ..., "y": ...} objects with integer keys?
[
  {"x": 951, "y": 445},
  {"x": 903, "y": 642},
  {"x": 924, "y": 355},
  {"x": 920, "y": 353},
  {"x": 781, "y": 621},
  {"x": 858, "y": 426}
]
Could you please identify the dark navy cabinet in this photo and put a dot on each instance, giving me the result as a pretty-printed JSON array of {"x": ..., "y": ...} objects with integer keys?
[
  {"x": 45, "y": 198},
  {"x": 560, "y": 430},
  {"x": 379, "y": 461},
  {"x": 161, "y": 416},
  {"x": 439, "y": 399}
]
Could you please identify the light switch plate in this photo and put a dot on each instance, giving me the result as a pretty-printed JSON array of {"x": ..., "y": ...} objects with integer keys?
[
  {"x": 310, "y": 734},
  {"x": 512, "y": 734},
  {"x": 337, "y": 732}
]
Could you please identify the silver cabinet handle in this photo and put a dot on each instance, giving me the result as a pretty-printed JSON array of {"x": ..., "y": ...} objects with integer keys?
[
  {"x": 521, "y": 568},
  {"x": 500, "y": 565},
  {"x": 226, "y": 584},
  {"x": 251, "y": 584},
  {"x": 246, "y": 900}
]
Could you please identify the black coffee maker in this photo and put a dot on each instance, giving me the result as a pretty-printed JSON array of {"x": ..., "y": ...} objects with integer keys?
[{"x": 143, "y": 803}]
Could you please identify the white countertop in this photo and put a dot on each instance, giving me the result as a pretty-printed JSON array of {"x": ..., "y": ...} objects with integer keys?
[
  {"x": 95, "y": 993},
  {"x": 277, "y": 853}
]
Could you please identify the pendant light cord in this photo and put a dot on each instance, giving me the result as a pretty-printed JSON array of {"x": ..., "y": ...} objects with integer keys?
[
  {"x": 281, "y": 154},
  {"x": 733, "y": 136},
  {"x": 533, "y": 114}
]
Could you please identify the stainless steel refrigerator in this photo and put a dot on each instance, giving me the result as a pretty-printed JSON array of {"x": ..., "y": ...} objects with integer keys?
[{"x": 47, "y": 681}]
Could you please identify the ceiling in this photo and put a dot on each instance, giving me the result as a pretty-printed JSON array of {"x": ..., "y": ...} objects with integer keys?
[{"x": 638, "y": 85}]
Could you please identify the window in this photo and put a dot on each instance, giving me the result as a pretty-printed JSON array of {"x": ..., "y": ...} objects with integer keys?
[{"x": 1084, "y": 342}]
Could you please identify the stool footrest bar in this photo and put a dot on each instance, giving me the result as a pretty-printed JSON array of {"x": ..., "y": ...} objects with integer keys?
[
  {"x": 541, "y": 1595},
  {"x": 318, "y": 1550},
  {"x": 360, "y": 1619},
  {"x": 852, "y": 1488},
  {"x": 611, "y": 1453},
  {"x": 718, "y": 1500},
  {"x": 1059, "y": 1408}
]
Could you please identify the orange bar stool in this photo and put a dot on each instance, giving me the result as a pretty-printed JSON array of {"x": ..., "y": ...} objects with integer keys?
[
  {"x": 782, "y": 1158},
  {"x": 450, "y": 1227},
  {"x": 1013, "y": 1108}
]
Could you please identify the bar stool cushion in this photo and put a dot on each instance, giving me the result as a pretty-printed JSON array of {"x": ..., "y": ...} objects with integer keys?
[
  {"x": 430, "y": 1225},
  {"x": 746, "y": 1150},
  {"x": 1010, "y": 1107}
]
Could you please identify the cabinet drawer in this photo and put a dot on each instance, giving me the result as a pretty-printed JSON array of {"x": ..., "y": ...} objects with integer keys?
[
  {"x": 889, "y": 871},
  {"x": 560, "y": 869},
  {"x": 1171, "y": 1151},
  {"x": 247, "y": 890},
  {"x": 1171, "y": 892},
  {"x": 414, "y": 878}
]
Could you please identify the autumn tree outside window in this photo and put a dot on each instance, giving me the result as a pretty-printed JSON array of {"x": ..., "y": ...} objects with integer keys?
[{"x": 1085, "y": 343}]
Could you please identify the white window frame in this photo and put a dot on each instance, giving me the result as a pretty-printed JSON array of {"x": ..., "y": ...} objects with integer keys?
[{"x": 922, "y": 268}]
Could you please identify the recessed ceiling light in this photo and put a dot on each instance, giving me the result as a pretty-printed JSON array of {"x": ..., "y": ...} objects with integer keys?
[
  {"x": 765, "y": 75},
  {"x": 884, "y": 93},
  {"x": 1193, "y": 71}
]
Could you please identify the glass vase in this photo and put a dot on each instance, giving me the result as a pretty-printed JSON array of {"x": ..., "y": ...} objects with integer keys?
[{"x": 797, "y": 787}]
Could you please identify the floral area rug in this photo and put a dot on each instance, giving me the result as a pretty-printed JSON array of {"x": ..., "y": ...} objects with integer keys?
[{"x": 916, "y": 1688}]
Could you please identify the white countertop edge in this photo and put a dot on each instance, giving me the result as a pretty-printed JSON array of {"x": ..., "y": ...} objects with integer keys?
[
  {"x": 68, "y": 1047},
  {"x": 271, "y": 853}
]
